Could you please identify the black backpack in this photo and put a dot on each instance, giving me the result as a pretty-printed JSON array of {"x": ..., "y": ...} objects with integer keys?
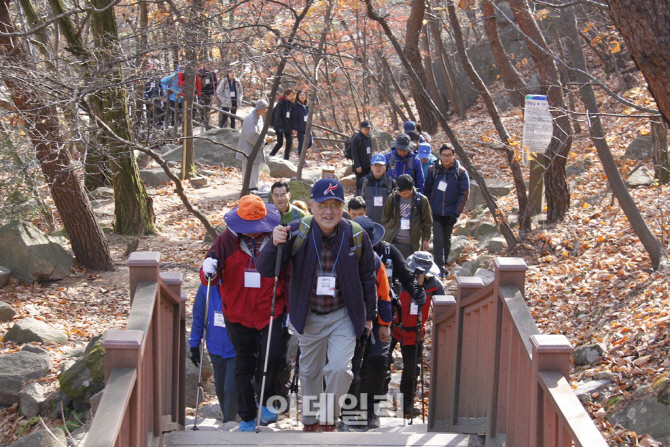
[{"x": 348, "y": 146}]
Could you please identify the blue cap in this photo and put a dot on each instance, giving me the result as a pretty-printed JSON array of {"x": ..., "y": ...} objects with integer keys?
[
  {"x": 327, "y": 188},
  {"x": 378, "y": 159},
  {"x": 424, "y": 150},
  {"x": 409, "y": 126}
]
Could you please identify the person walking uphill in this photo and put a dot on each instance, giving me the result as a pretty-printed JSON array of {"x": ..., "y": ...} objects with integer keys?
[
  {"x": 282, "y": 123},
  {"x": 247, "y": 301},
  {"x": 361, "y": 150},
  {"x": 375, "y": 187},
  {"x": 332, "y": 297},
  {"x": 401, "y": 160},
  {"x": 447, "y": 190},
  {"x": 252, "y": 126}
]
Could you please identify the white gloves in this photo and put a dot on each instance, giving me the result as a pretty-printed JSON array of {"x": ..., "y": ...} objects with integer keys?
[{"x": 209, "y": 267}]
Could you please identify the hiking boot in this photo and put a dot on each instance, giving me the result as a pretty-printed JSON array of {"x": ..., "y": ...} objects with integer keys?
[
  {"x": 247, "y": 426},
  {"x": 343, "y": 427},
  {"x": 373, "y": 421},
  {"x": 268, "y": 416},
  {"x": 315, "y": 427},
  {"x": 411, "y": 413},
  {"x": 328, "y": 428}
]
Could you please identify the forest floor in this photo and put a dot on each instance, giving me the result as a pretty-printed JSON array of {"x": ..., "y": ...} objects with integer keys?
[{"x": 589, "y": 277}]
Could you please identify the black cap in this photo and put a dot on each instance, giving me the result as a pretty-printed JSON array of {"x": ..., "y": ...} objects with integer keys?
[
  {"x": 402, "y": 142},
  {"x": 413, "y": 135},
  {"x": 366, "y": 125}
]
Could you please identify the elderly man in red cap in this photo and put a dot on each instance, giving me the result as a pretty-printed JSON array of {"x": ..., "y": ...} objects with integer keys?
[{"x": 247, "y": 299}]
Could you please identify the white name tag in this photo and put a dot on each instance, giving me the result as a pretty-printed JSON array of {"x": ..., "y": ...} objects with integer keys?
[
  {"x": 252, "y": 280},
  {"x": 288, "y": 114},
  {"x": 404, "y": 223},
  {"x": 305, "y": 118},
  {"x": 325, "y": 285},
  {"x": 207, "y": 81},
  {"x": 442, "y": 186},
  {"x": 232, "y": 94},
  {"x": 218, "y": 319},
  {"x": 368, "y": 150},
  {"x": 153, "y": 85},
  {"x": 413, "y": 309},
  {"x": 379, "y": 201}
]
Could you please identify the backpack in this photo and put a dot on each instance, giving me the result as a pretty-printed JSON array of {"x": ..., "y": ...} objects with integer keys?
[
  {"x": 306, "y": 225},
  {"x": 347, "y": 147},
  {"x": 393, "y": 161},
  {"x": 365, "y": 180}
]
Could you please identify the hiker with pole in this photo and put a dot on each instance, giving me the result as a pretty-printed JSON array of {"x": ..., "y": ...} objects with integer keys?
[
  {"x": 410, "y": 326},
  {"x": 332, "y": 298},
  {"x": 250, "y": 303},
  {"x": 208, "y": 324}
]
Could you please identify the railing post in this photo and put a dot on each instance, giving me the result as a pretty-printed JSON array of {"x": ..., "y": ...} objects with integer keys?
[
  {"x": 550, "y": 353},
  {"x": 467, "y": 285},
  {"x": 144, "y": 266},
  {"x": 443, "y": 367},
  {"x": 181, "y": 405},
  {"x": 510, "y": 272},
  {"x": 173, "y": 281}
]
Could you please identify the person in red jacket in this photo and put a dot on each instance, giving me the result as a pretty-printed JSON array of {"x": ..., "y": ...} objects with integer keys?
[{"x": 247, "y": 299}]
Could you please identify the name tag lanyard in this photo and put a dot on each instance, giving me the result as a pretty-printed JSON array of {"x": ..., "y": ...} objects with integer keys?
[
  {"x": 378, "y": 195},
  {"x": 252, "y": 278},
  {"x": 318, "y": 257}
]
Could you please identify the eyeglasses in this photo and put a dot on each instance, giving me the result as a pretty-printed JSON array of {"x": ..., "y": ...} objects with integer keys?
[
  {"x": 279, "y": 196},
  {"x": 335, "y": 206},
  {"x": 447, "y": 155}
]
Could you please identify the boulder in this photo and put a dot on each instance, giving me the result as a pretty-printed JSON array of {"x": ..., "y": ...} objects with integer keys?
[
  {"x": 458, "y": 244},
  {"x": 348, "y": 169},
  {"x": 39, "y": 351},
  {"x": 483, "y": 229},
  {"x": 157, "y": 176},
  {"x": 54, "y": 437},
  {"x": 199, "y": 182},
  {"x": 497, "y": 188},
  {"x": 31, "y": 255},
  {"x": 492, "y": 243},
  {"x": 467, "y": 229},
  {"x": 102, "y": 193},
  {"x": 300, "y": 190},
  {"x": 641, "y": 177},
  {"x": 640, "y": 148},
  {"x": 484, "y": 261},
  {"x": 349, "y": 182},
  {"x": 57, "y": 404},
  {"x": 4, "y": 276},
  {"x": 587, "y": 354},
  {"x": 648, "y": 416},
  {"x": 381, "y": 140},
  {"x": 95, "y": 402},
  {"x": 209, "y": 152},
  {"x": 487, "y": 276},
  {"x": 585, "y": 389},
  {"x": 280, "y": 168},
  {"x": 18, "y": 369},
  {"x": 86, "y": 376},
  {"x": 7, "y": 312},
  {"x": 32, "y": 399},
  {"x": 29, "y": 329}
]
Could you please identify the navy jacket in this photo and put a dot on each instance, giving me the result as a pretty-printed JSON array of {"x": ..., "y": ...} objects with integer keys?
[
  {"x": 360, "y": 296},
  {"x": 299, "y": 117},
  {"x": 218, "y": 342},
  {"x": 280, "y": 122},
  {"x": 409, "y": 164},
  {"x": 452, "y": 200},
  {"x": 360, "y": 145}
]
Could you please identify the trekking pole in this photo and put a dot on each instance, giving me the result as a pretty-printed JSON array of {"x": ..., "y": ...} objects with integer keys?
[
  {"x": 267, "y": 347},
  {"x": 202, "y": 351},
  {"x": 417, "y": 346},
  {"x": 293, "y": 389}
]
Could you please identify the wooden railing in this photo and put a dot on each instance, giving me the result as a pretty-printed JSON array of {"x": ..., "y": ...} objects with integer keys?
[
  {"x": 144, "y": 364},
  {"x": 493, "y": 373}
]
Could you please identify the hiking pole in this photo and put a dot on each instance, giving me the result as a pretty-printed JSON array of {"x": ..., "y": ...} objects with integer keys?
[
  {"x": 202, "y": 350},
  {"x": 267, "y": 346},
  {"x": 293, "y": 389},
  {"x": 419, "y": 281}
]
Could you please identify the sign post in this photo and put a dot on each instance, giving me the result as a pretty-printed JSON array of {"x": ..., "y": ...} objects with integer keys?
[{"x": 537, "y": 133}]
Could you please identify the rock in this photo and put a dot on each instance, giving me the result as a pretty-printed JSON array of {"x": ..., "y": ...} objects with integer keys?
[
  {"x": 647, "y": 416},
  {"x": 7, "y": 312},
  {"x": 585, "y": 389},
  {"x": 280, "y": 168},
  {"x": 587, "y": 354},
  {"x": 493, "y": 243},
  {"x": 487, "y": 276},
  {"x": 484, "y": 261},
  {"x": 575, "y": 168},
  {"x": 199, "y": 182},
  {"x": 57, "y": 405},
  {"x": 349, "y": 182},
  {"x": 29, "y": 329},
  {"x": 86, "y": 376},
  {"x": 300, "y": 190},
  {"x": 497, "y": 188},
  {"x": 30, "y": 255},
  {"x": 4, "y": 276},
  {"x": 458, "y": 244},
  {"x": 468, "y": 228},
  {"x": 18, "y": 369},
  {"x": 607, "y": 375},
  {"x": 209, "y": 239},
  {"x": 641, "y": 177},
  {"x": 157, "y": 176},
  {"x": 39, "y": 351},
  {"x": 381, "y": 140},
  {"x": 484, "y": 229},
  {"x": 348, "y": 170},
  {"x": 208, "y": 152},
  {"x": 95, "y": 402},
  {"x": 102, "y": 192},
  {"x": 640, "y": 148},
  {"x": 32, "y": 399},
  {"x": 42, "y": 438},
  {"x": 460, "y": 270}
]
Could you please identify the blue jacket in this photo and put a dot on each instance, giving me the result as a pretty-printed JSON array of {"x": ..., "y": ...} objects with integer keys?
[
  {"x": 299, "y": 117},
  {"x": 431, "y": 159},
  {"x": 218, "y": 342},
  {"x": 409, "y": 164},
  {"x": 356, "y": 278},
  {"x": 452, "y": 200},
  {"x": 171, "y": 82}
]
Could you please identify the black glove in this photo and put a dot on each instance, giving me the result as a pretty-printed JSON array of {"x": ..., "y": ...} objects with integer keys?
[
  {"x": 453, "y": 219},
  {"x": 195, "y": 356},
  {"x": 420, "y": 298}
]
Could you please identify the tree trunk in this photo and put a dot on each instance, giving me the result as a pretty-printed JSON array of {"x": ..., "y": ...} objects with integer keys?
[
  {"x": 510, "y": 76},
  {"x": 430, "y": 76},
  {"x": 656, "y": 251},
  {"x": 394, "y": 81},
  {"x": 413, "y": 54},
  {"x": 659, "y": 135},
  {"x": 522, "y": 198},
  {"x": 556, "y": 185},
  {"x": 41, "y": 123},
  {"x": 644, "y": 27}
]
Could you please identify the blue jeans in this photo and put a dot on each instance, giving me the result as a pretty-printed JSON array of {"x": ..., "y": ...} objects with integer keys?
[{"x": 224, "y": 383}]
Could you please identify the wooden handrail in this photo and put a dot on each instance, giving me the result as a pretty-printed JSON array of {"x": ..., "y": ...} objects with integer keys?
[{"x": 114, "y": 404}]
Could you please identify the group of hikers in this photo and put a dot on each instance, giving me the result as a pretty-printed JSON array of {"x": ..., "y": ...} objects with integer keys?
[{"x": 350, "y": 284}]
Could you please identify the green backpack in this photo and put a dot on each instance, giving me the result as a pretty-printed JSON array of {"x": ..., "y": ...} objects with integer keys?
[{"x": 306, "y": 225}]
